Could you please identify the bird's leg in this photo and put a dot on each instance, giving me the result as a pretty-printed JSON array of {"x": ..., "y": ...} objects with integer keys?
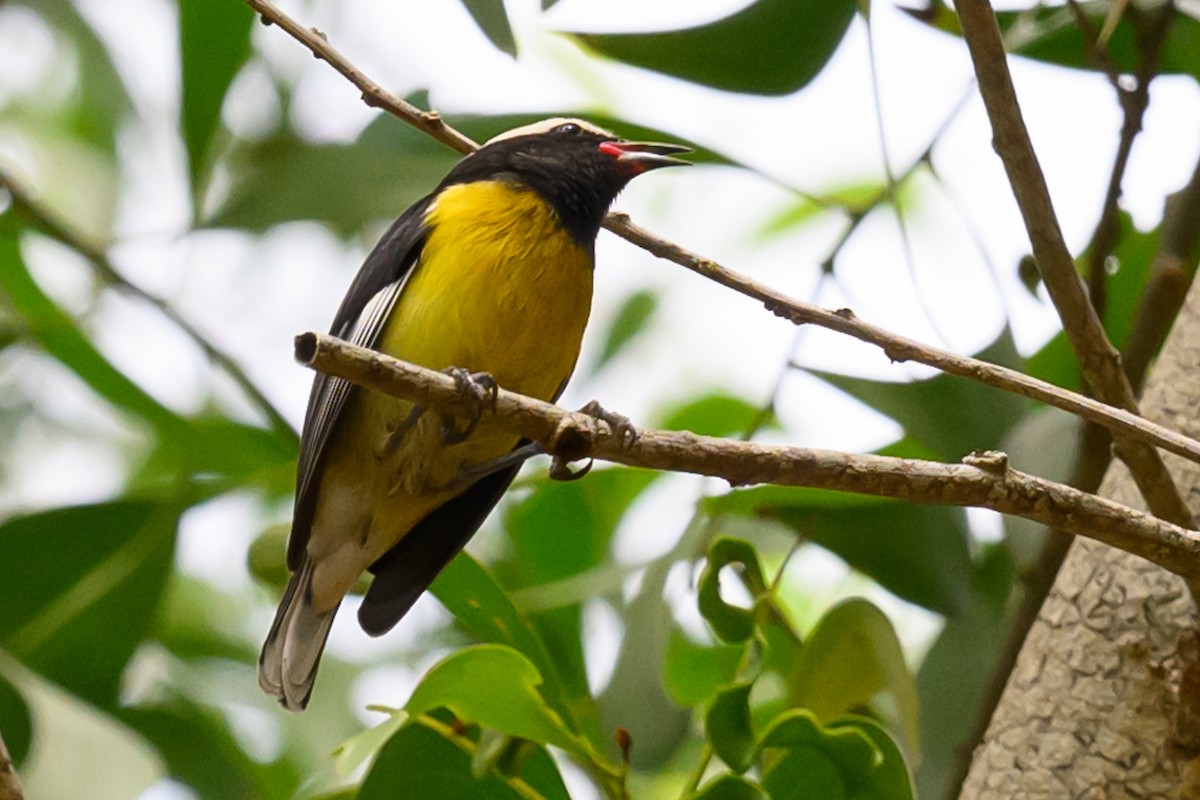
[
  {"x": 396, "y": 435},
  {"x": 479, "y": 389},
  {"x": 469, "y": 475}
]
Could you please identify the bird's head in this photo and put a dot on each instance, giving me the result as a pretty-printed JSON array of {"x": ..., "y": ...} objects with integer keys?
[{"x": 576, "y": 167}]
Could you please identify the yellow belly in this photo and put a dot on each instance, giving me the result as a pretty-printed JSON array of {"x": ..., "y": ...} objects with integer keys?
[{"x": 500, "y": 288}]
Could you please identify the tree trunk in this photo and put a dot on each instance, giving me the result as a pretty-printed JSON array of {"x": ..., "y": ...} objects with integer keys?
[{"x": 1104, "y": 701}]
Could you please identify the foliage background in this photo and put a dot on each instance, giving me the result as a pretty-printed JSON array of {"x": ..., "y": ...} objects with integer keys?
[{"x": 182, "y": 148}]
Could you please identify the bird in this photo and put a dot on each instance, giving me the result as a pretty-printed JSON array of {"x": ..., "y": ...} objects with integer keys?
[{"x": 489, "y": 277}]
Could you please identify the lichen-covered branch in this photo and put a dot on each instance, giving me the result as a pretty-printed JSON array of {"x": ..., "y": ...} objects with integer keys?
[{"x": 984, "y": 481}]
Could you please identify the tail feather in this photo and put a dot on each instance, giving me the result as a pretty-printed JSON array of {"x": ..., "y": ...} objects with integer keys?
[{"x": 287, "y": 667}]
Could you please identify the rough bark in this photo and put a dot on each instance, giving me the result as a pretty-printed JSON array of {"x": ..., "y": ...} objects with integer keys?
[{"x": 1104, "y": 701}]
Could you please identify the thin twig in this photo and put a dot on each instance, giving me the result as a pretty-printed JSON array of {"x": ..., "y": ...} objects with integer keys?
[
  {"x": 898, "y": 348},
  {"x": 1099, "y": 361},
  {"x": 982, "y": 480},
  {"x": 47, "y": 223},
  {"x": 10, "y": 785}
]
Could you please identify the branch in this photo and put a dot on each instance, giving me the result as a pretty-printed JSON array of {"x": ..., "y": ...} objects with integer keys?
[
  {"x": 897, "y": 348},
  {"x": 44, "y": 220},
  {"x": 983, "y": 480},
  {"x": 10, "y": 786},
  {"x": 1099, "y": 361}
]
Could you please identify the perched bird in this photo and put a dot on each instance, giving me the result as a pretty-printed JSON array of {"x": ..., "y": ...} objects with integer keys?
[{"x": 491, "y": 273}]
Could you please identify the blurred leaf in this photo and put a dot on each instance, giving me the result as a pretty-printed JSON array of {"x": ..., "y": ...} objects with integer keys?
[
  {"x": 365, "y": 745},
  {"x": 889, "y": 779},
  {"x": 728, "y": 727},
  {"x": 491, "y": 18},
  {"x": 1046, "y": 444},
  {"x": 716, "y": 414},
  {"x": 283, "y": 178},
  {"x": 1130, "y": 264},
  {"x": 731, "y": 623},
  {"x": 771, "y": 47},
  {"x": 950, "y": 414},
  {"x": 1055, "y": 363},
  {"x": 1050, "y": 34},
  {"x": 79, "y": 588},
  {"x": 631, "y": 319},
  {"x": 562, "y": 529},
  {"x": 954, "y": 674},
  {"x": 192, "y": 740},
  {"x": 635, "y": 698},
  {"x": 100, "y": 101},
  {"x": 694, "y": 672},
  {"x": 729, "y": 787},
  {"x": 472, "y": 595},
  {"x": 16, "y": 723},
  {"x": 418, "y": 762},
  {"x": 56, "y": 333},
  {"x": 496, "y": 687},
  {"x": 198, "y": 621},
  {"x": 921, "y": 553},
  {"x": 851, "y": 657},
  {"x": 214, "y": 43}
]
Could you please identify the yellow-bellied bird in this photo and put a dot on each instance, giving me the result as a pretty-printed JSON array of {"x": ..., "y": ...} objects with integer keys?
[{"x": 491, "y": 273}]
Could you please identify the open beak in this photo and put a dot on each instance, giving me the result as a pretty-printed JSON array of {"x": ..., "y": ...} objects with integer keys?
[{"x": 638, "y": 157}]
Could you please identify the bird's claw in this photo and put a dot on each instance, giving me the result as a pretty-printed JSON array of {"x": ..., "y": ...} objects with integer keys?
[
  {"x": 620, "y": 424},
  {"x": 560, "y": 470},
  {"x": 396, "y": 435},
  {"x": 479, "y": 390}
]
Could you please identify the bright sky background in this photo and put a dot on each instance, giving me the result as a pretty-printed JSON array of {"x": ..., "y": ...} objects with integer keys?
[{"x": 252, "y": 294}]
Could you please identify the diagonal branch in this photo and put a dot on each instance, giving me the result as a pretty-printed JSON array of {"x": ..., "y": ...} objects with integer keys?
[
  {"x": 10, "y": 786},
  {"x": 1099, "y": 361},
  {"x": 44, "y": 220},
  {"x": 897, "y": 348},
  {"x": 983, "y": 480}
]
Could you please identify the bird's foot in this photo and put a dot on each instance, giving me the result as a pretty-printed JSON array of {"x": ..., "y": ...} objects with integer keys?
[
  {"x": 479, "y": 390},
  {"x": 469, "y": 475},
  {"x": 393, "y": 437},
  {"x": 560, "y": 467}
]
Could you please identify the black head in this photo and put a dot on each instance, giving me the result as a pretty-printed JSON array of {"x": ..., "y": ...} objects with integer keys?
[{"x": 576, "y": 167}]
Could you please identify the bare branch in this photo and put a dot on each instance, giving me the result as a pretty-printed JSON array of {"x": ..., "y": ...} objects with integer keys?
[
  {"x": 46, "y": 222},
  {"x": 10, "y": 786},
  {"x": 1099, "y": 361},
  {"x": 983, "y": 480}
]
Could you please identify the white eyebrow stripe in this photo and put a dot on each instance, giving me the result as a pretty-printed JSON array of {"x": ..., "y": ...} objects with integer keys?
[{"x": 545, "y": 126}]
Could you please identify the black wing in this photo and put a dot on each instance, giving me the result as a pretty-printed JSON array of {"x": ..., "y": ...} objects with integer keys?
[{"x": 359, "y": 320}]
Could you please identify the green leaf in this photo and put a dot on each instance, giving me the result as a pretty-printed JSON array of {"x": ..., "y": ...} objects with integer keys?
[
  {"x": 729, "y": 787},
  {"x": 419, "y": 762},
  {"x": 631, "y": 319},
  {"x": 472, "y": 595},
  {"x": 716, "y": 414},
  {"x": 99, "y": 571},
  {"x": 889, "y": 779},
  {"x": 949, "y": 414},
  {"x": 56, "y": 333},
  {"x": 491, "y": 18},
  {"x": 694, "y": 672},
  {"x": 731, "y": 623},
  {"x": 100, "y": 101},
  {"x": 851, "y": 752},
  {"x": 771, "y": 47},
  {"x": 804, "y": 773},
  {"x": 496, "y": 687},
  {"x": 214, "y": 43},
  {"x": 729, "y": 729},
  {"x": 920, "y": 553},
  {"x": 851, "y": 657},
  {"x": 365, "y": 745},
  {"x": 16, "y": 723}
]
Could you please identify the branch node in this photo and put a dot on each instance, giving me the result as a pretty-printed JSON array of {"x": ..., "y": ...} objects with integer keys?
[
  {"x": 320, "y": 34},
  {"x": 992, "y": 461}
]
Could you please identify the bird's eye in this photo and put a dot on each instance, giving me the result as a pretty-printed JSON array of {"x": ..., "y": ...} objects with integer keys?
[{"x": 568, "y": 128}]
